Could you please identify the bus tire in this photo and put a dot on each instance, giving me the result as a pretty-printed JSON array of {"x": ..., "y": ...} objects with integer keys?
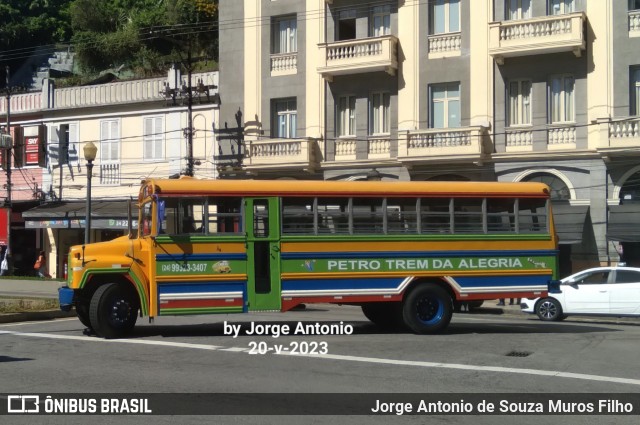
[
  {"x": 113, "y": 311},
  {"x": 82, "y": 310},
  {"x": 427, "y": 309},
  {"x": 386, "y": 315}
]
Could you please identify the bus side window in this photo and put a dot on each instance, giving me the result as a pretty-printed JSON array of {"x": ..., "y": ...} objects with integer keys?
[
  {"x": 532, "y": 215},
  {"x": 224, "y": 215}
]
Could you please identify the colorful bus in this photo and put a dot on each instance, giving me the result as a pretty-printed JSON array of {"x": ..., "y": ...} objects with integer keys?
[{"x": 407, "y": 252}]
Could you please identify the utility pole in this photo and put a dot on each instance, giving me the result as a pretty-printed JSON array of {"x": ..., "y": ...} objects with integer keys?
[
  {"x": 8, "y": 165},
  {"x": 189, "y": 128},
  {"x": 8, "y": 152}
]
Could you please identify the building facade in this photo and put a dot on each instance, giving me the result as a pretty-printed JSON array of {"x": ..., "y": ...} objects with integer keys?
[
  {"x": 140, "y": 129},
  {"x": 484, "y": 90}
]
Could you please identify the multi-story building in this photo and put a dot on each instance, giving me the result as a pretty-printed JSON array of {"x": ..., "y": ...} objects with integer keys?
[
  {"x": 486, "y": 90},
  {"x": 140, "y": 130}
]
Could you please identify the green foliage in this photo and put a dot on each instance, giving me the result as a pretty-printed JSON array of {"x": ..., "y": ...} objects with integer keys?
[{"x": 143, "y": 35}]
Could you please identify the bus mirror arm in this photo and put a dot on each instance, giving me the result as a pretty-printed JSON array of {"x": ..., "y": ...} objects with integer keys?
[
  {"x": 84, "y": 263},
  {"x": 137, "y": 260}
]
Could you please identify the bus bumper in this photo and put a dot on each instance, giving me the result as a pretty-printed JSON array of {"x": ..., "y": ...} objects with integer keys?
[{"x": 65, "y": 297}]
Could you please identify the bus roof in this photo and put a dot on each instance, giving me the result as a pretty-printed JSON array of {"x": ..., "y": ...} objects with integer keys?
[{"x": 186, "y": 186}]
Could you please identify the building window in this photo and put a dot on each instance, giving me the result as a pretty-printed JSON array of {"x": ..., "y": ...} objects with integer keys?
[
  {"x": 518, "y": 9},
  {"x": 379, "y": 113},
  {"x": 634, "y": 4},
  {"x": 519, "y": 102},
  {"x": 284, "y": 35},
  {"x": 381, "y": 21},
  {"x": 285, "y": 118},
  {"x": 445, "y": 105},
  {"x": 346, "y": 25},
  {"x": 153, "y": 138},
  {"x": 562, "y": 99},
  {"x": 346, "y": 116},
  {"x": 444, "y": 16},
  {"x": 560, "y": 7},
  {"x": 635, "y": 91},
  {"x": 109, "y": 141}
]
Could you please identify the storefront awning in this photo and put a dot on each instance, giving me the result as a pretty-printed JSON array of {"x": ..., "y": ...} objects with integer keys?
[
  {"x": 624, "y": 223},
  {"x": 569, "y": 222},
  {"x": 71, "y": 215}
]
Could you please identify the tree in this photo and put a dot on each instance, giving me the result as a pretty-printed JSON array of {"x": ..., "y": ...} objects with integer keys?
[{"x": 111, "y": 33}]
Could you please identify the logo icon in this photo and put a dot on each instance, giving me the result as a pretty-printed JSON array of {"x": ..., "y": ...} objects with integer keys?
[{"x": 23, "y": 404}]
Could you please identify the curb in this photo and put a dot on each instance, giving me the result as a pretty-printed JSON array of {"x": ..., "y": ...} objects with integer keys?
[{"x": 28, "y": 316}]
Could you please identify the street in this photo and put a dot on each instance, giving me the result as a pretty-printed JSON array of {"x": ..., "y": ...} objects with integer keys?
[{"x": 481, "y": 353}]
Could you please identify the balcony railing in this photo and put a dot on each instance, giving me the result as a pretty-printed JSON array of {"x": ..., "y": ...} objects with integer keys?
[
  {"x": 443, "y": 45},
  {"x": 548, "y": 34},
  {"x": 634, "y": 23},
  {"x": 110, "y": 174},
  {"x": 345, "y": 149},
  {"x": 467, "y": 143},
  {"x": 519, "y": 140},
  {"x": 282, "y": 154},
  {"x": 621, "y": 134},
  {"x": 284, "y": 64},
  {"x": 378, "y": 147},
  {"x": 150, "y": 89},
  {"x": 24, "y": 102},
  {"x": 359, "y": 56},
  {"x": 561, "y": 137}
]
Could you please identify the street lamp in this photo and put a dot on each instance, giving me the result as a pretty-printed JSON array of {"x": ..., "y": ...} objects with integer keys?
[{"x": 90, "y": 151}]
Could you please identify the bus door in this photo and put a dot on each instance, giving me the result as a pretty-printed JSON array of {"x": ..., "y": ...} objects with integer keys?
[{"x": 263, "y": 253}]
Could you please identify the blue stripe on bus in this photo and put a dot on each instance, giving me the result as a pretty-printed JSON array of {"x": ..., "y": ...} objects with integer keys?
[
  {"x": 324, "y": 284},
  {"x": 191, "y": 287},
  {"x": 415, "y": 254},
  {"x": 201, "y": 257}
]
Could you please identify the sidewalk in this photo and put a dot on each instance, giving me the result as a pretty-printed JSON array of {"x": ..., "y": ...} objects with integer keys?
[{"x": 37, "y": 297}]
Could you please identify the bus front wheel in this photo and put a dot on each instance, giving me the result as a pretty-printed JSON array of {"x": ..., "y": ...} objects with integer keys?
[
  {"x": 427, "y": 309},
  {"x": 113, "y": 311},
  {"x": 82, "y": 310}
]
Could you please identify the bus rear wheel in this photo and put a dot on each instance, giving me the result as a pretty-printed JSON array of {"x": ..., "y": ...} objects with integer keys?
[
  {"x": 113, "y": 311},
  {"x": 385, "y": 315},
  {"x": 427, "y": 309}
]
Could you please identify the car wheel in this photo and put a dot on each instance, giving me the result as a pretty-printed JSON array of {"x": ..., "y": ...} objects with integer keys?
[{"x": 549, "y": 309}]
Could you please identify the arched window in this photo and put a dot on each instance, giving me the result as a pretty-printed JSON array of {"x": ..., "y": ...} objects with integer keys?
[
  {"x": 630, "y": 190},
  {"x": 559, "y": 190}
]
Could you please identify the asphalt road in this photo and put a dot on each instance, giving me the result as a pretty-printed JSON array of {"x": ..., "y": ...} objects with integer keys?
[{"x": 483, "y": 353}]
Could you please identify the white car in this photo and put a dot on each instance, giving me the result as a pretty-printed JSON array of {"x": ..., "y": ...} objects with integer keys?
[{"x": 603, "y": 291}]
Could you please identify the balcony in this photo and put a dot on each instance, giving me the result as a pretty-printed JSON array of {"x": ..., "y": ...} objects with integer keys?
[
  {"x": 24, "y": 102},
  {"x": 444, "y": 145},
  {"x": 620, "y": 137},
  {"x": 359, "y": 56},
  {"x": 378, "y": 147},
  {"x": 284, "y": 64},
  {"x": 543, "y": 35},
  {"x": 634, "y": 23},
  {"x": 282, "y": 154}
]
